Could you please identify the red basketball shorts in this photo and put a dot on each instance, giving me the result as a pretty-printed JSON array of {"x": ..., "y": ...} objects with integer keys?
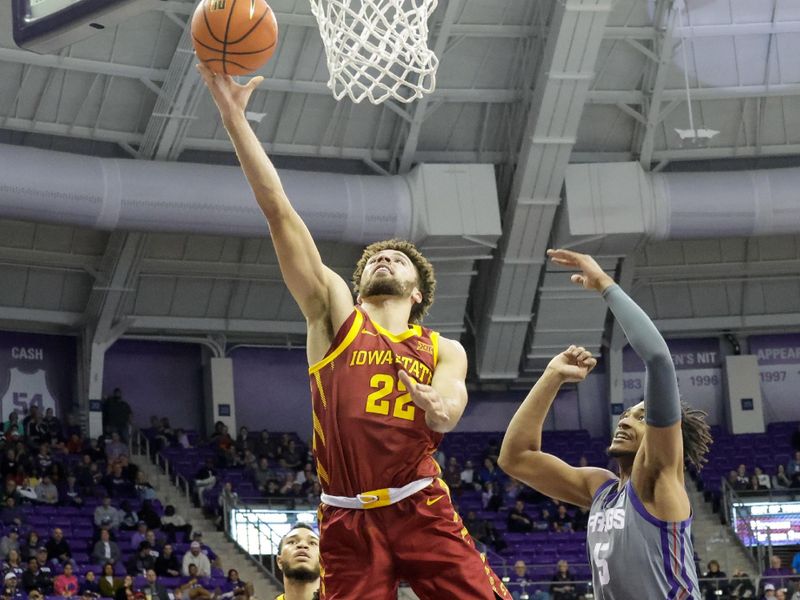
[{"x": 421, "y": 540}]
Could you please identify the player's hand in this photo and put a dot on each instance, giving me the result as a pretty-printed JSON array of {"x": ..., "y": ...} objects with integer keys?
[
  {"x": 591, "y": 276},
  {"x": 426, "y": 398},
  {"x": 230, "y": 97},
  {"x": 572, "y": 365}
]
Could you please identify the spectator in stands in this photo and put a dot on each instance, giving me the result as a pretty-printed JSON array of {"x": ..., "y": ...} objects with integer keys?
[
  {"x": 70, "y": 494},
  {"x": 777, "y": 573},
  {"x": 264, "y": 446},
  {"x": 205, "y": 479},
  {"x": 66, "y": 584},
  {"x": 13, "y": 563},
  {"x": 314, "y": 495},
  {"x": 195, "y": 557},
  {"x": 192, "y": 588},
  {"x": 740, "y": 585},
  {"x": 780, "y": 480},
  {"x": 129, "y": 519},
  {"x": 90, "y": 587},
  {"x": 249, "y": 461},
  {"x": 58, "y": 550},
  {"x": 8, "y": 466},
  {"x": 483, "y": 532},
  {"x": 273, "y": 489},
  {"x": 263, "y": 474},
  {"x": 34, "y": 579},
  {"x": 561, "y": 521},
  {"x": 227, "y": 495},
  {"x": 563, "y": 586},
  {"x": 46, "y": 491},
  {"x": 13, "y": 429},
  {"x": 9, "y": 542},
  {"x": 291, "y": 456},
  {"x": 513, "y": 489},
  {"x": 489, "y": 473},
  {"x": 125, "y": 589},
  {"x": 235, "y": 588},
  {"x": 742, "y": 478},
  {"x": 754, "y": 485},
  {"x": 763, "y": 478},
  {"x": 307, "y": 477},
  {"x": 518, "y": 520},
  {"x": 793, "y": 466},
  {"x": 106, "y": 550},
  {"x": 155, "y": 543},
  {"x": 149, "y": 515},
  {"x": 581, "y": 519},
  {"x": 298, "y": 560},
  {"x": 519, "y": 580},
  {"x": 10, "y": 589},
  {"x": 769, "y": 591},
  {"x": 117, "y": 414},
  {"x": 44, "y": 460},
  {"x": 44, "y": 564},
  {"x": 74, "y": 444},
  {"x": 153, "y": 589},
  {"x": 116, "y": 483},
  {"x": 715, "y": 580},
  {"x": 143, "y": 488},
  {"x": 452, "y": 475},
  {"x": 172, "y": 523},
  {"x": 182, "y": 439},
  {"x": 490, "y": 497},
  {"x": 140, "y": 535},
  {"x": 197, "y": 536},
  {"x": 468, "y": 475},
  {"x": 167, "y": 564},
  {"x": 28, "y": 549},
  {"x": 733, "y": 480},
  {"x": 287, "y": 487},
  {"x": 108, "y": 584},
  {"x": 107, "y": 516},
  {"x": 141, "y": 561},
  {"x": 244, "y": 442},
  {"x": 11, "y": 513}
]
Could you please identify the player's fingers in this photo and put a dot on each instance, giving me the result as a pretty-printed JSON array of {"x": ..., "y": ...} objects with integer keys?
[
  {"x": 410, "y": 384},
  {"x": 579, "y": 279},
  {"x": 255, "y": 82},
  {"x": 591, "y": 363}
]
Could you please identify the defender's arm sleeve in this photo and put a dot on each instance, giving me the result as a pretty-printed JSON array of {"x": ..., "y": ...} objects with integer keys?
[{"x": 662, "y": 405}]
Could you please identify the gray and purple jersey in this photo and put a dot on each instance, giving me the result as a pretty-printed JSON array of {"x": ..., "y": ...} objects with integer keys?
[{"x": 635, "y": 555}]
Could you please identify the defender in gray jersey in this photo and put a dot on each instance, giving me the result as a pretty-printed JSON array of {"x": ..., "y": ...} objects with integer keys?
[{"x": 639, "y": 529}]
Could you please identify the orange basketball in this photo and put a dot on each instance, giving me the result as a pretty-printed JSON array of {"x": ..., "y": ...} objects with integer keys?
[{"x": 234, "y": 37}]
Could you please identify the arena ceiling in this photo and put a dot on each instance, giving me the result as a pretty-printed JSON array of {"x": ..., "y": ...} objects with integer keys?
[{"x": 526, "y": 86}]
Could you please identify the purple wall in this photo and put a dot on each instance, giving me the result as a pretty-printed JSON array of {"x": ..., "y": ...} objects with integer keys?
[
  {"x": 37, "y": 368},
  {"x": 271, "y": 388},
  {"x": 157, "y": 378}
]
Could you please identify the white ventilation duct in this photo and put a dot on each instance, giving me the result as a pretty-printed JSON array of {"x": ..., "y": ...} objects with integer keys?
[
  {"x": 42, "y": 185},
  {"x": 623, "y": 199}
]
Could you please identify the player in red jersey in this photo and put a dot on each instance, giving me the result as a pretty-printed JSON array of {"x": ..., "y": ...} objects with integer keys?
[{"x": 384, "y": 391}]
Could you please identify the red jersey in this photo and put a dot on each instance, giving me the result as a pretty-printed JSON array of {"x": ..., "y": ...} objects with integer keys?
[{"x": 368, "y": 434}]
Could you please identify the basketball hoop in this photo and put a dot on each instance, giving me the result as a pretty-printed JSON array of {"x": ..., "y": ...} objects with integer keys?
[{"x": 377, "y": 49}]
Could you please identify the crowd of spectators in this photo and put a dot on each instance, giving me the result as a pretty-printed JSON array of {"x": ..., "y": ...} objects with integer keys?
[{"x": 46, "y": 465}]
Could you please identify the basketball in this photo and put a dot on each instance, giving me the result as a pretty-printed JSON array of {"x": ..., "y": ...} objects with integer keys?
[{"x": 234, "y": 37}]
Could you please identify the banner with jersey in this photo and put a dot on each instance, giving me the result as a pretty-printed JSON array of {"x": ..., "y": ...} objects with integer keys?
[{"x": 36, "y": 370}]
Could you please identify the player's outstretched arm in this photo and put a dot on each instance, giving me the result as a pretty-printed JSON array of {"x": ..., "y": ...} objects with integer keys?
[
  {"x": 663, "y": 444},
  {"x": 521, "y": 454},
  {"x": 318, "y": 290},
  {"x": 445, "y": 399}
]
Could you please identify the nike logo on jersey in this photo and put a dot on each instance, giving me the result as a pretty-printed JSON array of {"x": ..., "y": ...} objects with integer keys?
[
  {"x": 430, "y": 501},
  {"x": 370, "y": 333}
]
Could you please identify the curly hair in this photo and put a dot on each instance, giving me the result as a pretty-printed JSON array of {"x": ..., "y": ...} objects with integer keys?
[
  {"x": 425, "y": 276},
  {"x": 696, "y": 436}
]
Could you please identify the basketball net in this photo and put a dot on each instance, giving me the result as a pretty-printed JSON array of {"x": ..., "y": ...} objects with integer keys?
[{"x": 377, "y": 49}]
